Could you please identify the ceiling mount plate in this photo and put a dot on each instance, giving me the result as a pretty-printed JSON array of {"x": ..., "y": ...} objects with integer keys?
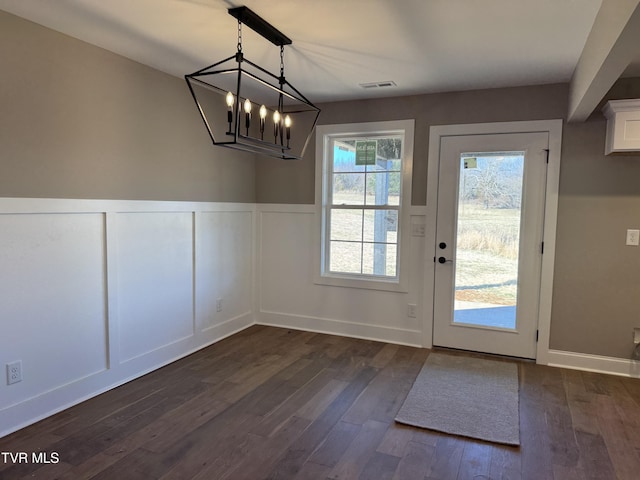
[{"x": 259, "y": 25}]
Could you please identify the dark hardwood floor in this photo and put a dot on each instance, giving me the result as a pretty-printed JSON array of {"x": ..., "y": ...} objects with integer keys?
[{"x": 272, "y": 403}]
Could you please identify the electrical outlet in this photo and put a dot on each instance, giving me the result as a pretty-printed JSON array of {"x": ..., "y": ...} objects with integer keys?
[
  {"x": 14, "y": 372},
  {"x": 219, "y": 305},
  {"x": 411, "y": 310}
]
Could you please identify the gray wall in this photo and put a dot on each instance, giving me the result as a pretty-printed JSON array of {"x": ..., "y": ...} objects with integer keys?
[
  {"x": 292, "y": 182},
  {"x": 596, "y": 295},
  {"x": 596, "y": 299},
  {"x": 77, "y": 121}
]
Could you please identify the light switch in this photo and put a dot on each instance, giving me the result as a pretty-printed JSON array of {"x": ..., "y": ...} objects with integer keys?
[{"x": 633, "y": 237}]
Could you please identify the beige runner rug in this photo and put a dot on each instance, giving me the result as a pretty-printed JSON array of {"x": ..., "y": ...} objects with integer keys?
[{"x": 465, "y": 396}]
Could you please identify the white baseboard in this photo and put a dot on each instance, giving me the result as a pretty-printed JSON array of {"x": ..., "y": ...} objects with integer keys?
[
  {"x": 594, "y": 363},
  {"x": 342, "y": 328}
]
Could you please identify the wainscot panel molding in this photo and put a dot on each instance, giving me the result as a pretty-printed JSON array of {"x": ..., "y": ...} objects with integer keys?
[
  {"x": 96, "y": 293},
  {"x": 288, "y": 296}
]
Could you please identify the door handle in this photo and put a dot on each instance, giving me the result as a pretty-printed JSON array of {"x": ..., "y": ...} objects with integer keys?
[{"x": 444, "y": 260}]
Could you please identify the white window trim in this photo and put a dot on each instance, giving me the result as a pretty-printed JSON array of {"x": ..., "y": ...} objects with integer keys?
[{"x": 323, "y": 132}]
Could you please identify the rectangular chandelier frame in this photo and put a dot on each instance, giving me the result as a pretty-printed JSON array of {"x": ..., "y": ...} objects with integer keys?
[{"x": 235, "y": 88}]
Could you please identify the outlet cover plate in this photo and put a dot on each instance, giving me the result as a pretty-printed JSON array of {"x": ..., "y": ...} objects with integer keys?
[{"x": 14, "y": 372}]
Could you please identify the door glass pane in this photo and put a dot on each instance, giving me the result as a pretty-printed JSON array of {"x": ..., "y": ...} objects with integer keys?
[{"x": 488, "y": 238}]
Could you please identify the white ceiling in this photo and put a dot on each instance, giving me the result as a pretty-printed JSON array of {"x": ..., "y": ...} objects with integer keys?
[{"x": 423, "y": 46}]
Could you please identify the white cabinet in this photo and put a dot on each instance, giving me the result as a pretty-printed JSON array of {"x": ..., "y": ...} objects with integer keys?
[{"x": 623, "y": 126}]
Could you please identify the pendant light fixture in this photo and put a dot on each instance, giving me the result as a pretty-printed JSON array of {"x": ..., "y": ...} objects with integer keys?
[{"x": 246, "y": 107}]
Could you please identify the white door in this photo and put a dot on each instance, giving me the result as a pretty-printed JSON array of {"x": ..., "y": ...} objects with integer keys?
[{"x": 490, "y": 217}]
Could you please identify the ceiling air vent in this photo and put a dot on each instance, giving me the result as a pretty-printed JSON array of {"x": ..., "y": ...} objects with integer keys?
[{"x": 385, "y": 84}]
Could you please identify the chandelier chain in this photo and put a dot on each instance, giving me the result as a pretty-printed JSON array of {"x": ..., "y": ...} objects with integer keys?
[{"x": 239, "y": 36}]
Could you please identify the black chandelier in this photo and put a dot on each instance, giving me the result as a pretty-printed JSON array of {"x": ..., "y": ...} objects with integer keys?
[{"x": 246, "y": 107}]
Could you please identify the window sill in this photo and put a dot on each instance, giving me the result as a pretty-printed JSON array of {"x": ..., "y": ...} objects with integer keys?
[{"x": 365, "y": 283}]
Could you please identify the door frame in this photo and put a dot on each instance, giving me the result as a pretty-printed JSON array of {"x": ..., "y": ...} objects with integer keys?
[{"x": 436, "y": 132}]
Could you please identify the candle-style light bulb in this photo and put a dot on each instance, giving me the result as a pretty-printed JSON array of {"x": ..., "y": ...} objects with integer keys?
[
  {"x": 276, "y": 125},
  {"x": 247, "y": 114},
  {"x": 263, "y": 115},
  {"x": 230, "y": 101},
  {"x": 287, "y": 124}
]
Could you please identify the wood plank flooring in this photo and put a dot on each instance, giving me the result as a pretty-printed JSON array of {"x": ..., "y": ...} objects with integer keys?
[{"x": 272, "y": 403}]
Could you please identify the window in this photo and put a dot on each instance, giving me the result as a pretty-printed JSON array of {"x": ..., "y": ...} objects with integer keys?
[{"x": 363, "y": 183}]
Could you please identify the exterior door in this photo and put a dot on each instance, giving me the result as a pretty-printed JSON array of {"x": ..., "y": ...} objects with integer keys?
[{"x": 490, "y": 217}]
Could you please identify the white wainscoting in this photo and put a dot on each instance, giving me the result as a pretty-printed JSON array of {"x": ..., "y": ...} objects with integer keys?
[
  {"x": 95, "y": 293},
  {"x": 155, "y": 281},
  {"x": 288, "y": 296}
]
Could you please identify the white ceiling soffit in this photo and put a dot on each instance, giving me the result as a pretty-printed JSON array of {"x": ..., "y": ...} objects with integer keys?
[
  {"x": 423, "y": 46},
  {"x": 612, "y": 50}
]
